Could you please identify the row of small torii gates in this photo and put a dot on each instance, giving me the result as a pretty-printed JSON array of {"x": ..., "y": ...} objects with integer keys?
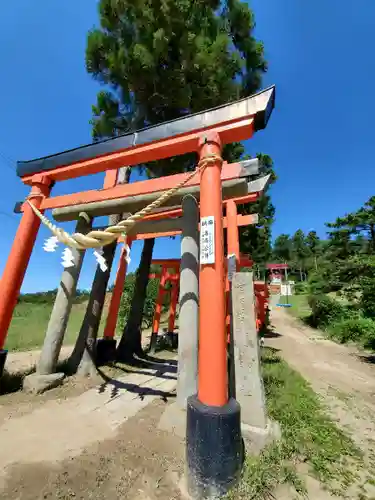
[
  {"x": 213, "y": 429},
  {"x": 170, "y": 273}
]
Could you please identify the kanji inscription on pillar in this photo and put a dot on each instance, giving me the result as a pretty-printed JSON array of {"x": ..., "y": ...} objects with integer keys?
[
  {"x": 207, "y": 240},
  {"x": 231, "y": 263}
]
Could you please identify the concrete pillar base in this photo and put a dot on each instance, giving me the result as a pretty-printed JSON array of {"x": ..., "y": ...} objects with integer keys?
[
  {"x": 214, "y": 448},
  {"x": 256, "y": 438},
  {"x": 37, "y": 383},
  {"x": 3, "y": 357},
  {"x": 105, "y": 350}
]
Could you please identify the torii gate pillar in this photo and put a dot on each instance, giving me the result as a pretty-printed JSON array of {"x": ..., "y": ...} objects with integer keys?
[
  {"x": 213, "y": 429},
  {"x": 18, "y": 259}
]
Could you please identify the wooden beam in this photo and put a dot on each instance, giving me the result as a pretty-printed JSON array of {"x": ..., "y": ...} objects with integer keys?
[
  {"x": 172, "y": 212},
  {"x": 167, "y": 225},
  {"x": 153, "y": 229},
  {"x": 113, "y": 192},
  {"x": 231, "y": 188},
  {"x": 166, "y": 262},
  {"x": 148, "y": 236},
  {"x": 258, "y": 107},
  {"x": 236, "y": 130}
]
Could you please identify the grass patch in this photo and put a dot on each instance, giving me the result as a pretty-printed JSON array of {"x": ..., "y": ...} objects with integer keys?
[
  {"x": 300, "y": 306},
  {"x": 30, "y": 321},
  {"x": 309, "y": 437}
]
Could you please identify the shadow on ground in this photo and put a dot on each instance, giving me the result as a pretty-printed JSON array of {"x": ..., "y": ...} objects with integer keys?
[
  {"x": 12, "y": 381},
  {"x": 160, "y": 368},
  {"x": 369, "y": 358},
  {"x": 272, "y": 334}
]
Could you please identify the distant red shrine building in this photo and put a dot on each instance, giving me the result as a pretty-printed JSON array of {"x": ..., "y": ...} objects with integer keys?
[{"x": 277, "y": 270}]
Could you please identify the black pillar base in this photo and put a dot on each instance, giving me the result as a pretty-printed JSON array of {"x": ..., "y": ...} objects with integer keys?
[
  {"x": 3, "y": 357},
  {"x": 153, "y": 342},
  {"x": 214, "y": 447},
  {"x": 105, "y": 351},
  {"x": 173, "y": 339}
]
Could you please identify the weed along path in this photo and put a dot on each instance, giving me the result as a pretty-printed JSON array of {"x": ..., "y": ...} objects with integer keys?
[{"x": 343, "y": 378}]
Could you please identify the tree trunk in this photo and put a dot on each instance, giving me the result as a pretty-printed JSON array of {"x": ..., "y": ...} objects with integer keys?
[
  {"x": 131, "y": 340},
  {"x": 83, "y": 357},
  {"x": 316, "y": 263},
  {"x": 300, "y": 274}
]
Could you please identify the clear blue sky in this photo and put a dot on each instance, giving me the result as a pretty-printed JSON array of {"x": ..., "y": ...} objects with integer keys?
[{"x": 320, "y": 135}]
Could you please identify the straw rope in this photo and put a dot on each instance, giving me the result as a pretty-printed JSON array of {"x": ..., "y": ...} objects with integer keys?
[{"x": 97, "y": 239}]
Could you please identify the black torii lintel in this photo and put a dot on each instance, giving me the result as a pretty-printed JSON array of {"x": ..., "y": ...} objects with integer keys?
[{"x": 259, "y": 105}]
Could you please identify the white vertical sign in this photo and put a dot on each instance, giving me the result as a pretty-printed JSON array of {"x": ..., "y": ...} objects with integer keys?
[{"x": 207, "y": 240}]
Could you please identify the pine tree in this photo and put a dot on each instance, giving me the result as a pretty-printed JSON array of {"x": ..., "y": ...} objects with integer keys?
[
  {"x": 313, "y": 245},
  {"x": 256, "y": 240},
  {"x": 163, "y": 59},
  {"x": 299, "y": 251},
  {"x": 282, "y": 248}
]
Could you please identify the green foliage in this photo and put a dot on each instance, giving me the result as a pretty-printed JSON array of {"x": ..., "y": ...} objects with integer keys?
[
  {"x": 325, "y": 310},
  {"x": 165, "y": 59},
  {"x": 313, "y": 242},
  {"x": 301, "y": 287},
  {"x": 355, "y": 329},
  {"x": 317, "y": 284},
  {"x": 367, "y": 298},
  {"x": 150, "y": 301},
  {"x": 299, "y": 246},
  {"x": 282, "y": 248},
  {"x": 299, "y": 251},
  {"x": 49, "y": 297},
  {"x": 256, "y": 239},
  {"x": 309, "y": 436},
  {"x": 345, "y": 264},
  {"x": 360, "y": 223},
  {"x": 149, "y": 304}
]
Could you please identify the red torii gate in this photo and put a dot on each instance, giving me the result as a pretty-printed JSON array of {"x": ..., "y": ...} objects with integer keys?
[
  {"x": 165, "y": 276},
  {"x": 211, "y": 413}
]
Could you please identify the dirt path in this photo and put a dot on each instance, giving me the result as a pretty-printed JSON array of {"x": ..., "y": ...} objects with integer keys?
[
  {"x": 104, "y": 443},
  {"x": 341, "y": 375}
]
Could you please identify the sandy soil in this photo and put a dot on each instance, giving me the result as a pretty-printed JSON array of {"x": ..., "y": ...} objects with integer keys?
[
  {"x": 20, "y": 361},
  {"x": 93, "y": 444},
  {"x": 341, "y": 375}
]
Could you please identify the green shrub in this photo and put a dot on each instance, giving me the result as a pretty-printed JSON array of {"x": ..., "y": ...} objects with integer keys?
[
  {"x": 149, "y": 305},
  {"x": 301, "y": 287},
  {"x": 355, "y": 329},
  {"x": 50, "y": 296},
  {"x": 317, "y": 284},
  {"x": 370, "y": 340},
  {"x": 325, "y": 310},
  {"x": 367, "y": 300}
]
